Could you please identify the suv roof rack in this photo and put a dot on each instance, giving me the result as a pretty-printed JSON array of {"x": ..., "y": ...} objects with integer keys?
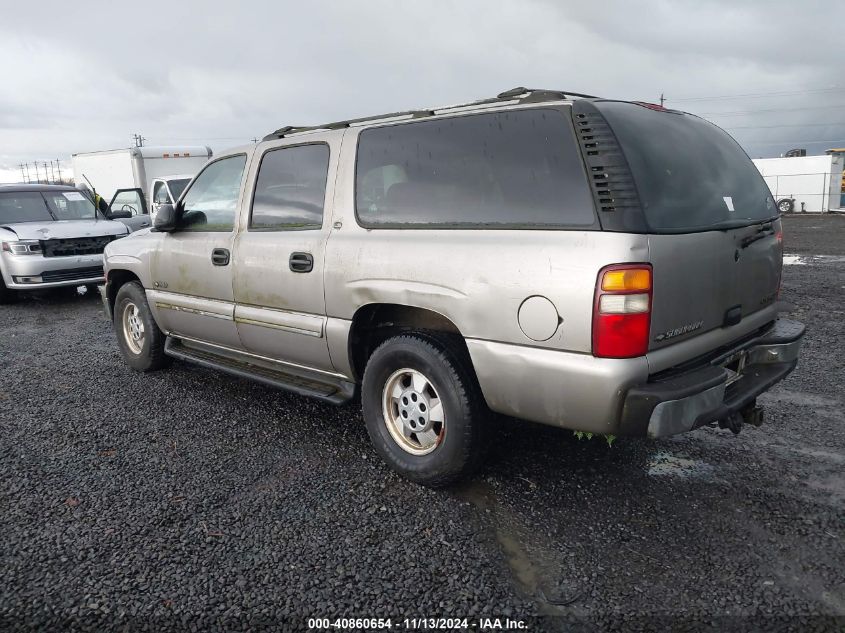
[{"x": 519, "y": 95}]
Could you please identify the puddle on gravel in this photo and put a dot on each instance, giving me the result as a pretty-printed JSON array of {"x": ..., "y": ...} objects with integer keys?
[
  {"x": 800, "y": 260},
  {"x": 531, "y": 578},
  {"x": 664, "y": 464},
  {"x": 793, "y": 259},
  {"x": 480, "y": 495},
  {"x": 802, "y": 398}
]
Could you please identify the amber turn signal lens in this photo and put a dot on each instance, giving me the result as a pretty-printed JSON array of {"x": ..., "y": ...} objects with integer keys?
[{"x": 626, "y": 280}]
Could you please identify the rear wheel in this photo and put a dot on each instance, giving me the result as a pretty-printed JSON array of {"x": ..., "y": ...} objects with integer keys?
[
  {"x": 786, "y": 205},
  {"x": 423, "y": 409},
  {"x": 139, "y": 337}
]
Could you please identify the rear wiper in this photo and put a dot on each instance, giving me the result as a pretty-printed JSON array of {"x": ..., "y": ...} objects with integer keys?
[
  {"x": 765, "y": 231},
  {"x": 727, "y": 225}
]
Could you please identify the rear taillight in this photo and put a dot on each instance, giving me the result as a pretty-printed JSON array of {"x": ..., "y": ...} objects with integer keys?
[{"x": 622, "y": 311}]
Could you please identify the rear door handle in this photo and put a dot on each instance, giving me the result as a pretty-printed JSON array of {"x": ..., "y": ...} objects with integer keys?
[
  {"x": 301, "y": 262},
  {"x": 220, "y": 257}
]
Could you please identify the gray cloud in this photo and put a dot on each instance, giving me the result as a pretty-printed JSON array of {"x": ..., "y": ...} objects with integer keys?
[{"x": 200, "y": 72}]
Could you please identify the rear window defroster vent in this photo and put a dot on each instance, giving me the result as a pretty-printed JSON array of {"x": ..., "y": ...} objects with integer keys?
[{"x": 610, "y": 178}]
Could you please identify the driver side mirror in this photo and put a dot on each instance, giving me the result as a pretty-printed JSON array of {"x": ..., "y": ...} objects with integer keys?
[{"x": 166, "y": 218}]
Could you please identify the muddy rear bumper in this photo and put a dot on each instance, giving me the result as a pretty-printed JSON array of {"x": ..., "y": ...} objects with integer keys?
[{"x": 724, "y": 388}]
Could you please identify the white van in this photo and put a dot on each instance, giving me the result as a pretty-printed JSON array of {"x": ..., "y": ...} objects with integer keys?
[{"x": 139, "y": 179}]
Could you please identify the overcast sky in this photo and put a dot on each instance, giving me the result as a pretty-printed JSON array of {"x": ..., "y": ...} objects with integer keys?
[{"x": 85, "y": 76}]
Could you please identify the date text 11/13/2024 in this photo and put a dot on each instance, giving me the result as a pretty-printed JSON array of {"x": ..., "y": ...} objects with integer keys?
[{"x": 421, "y": 624}]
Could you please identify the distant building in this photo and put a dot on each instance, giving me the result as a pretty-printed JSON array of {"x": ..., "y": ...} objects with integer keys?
[{"x": 814, "y": 184}]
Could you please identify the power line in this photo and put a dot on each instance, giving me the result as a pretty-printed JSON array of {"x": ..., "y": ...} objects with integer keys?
[
  {"x": 762, "y": 127},
  {"x": 742, "y": 112},
  {"x": 205, "y": 138},
  {"x": 830, "y": 142},
  {"x": 754, "y": 95}
]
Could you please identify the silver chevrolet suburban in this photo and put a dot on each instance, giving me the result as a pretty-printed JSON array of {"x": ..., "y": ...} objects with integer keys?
[
  {"x": 592, "y": 264},
  {"x": 51, "y": 236}
]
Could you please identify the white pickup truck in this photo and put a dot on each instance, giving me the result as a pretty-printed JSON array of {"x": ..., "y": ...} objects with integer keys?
[{"x": 139, "y": 179}]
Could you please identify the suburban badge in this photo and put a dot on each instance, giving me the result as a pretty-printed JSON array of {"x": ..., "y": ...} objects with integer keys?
[{"x": 678, "y": 331}]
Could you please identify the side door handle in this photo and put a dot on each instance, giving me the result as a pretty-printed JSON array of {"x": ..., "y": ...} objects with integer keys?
[
  {"x": 220, "y": 257},
  {"x": 301, "y": 262}
]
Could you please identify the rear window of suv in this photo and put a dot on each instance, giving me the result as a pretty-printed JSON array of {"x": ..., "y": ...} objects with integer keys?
[
  {"x": 690, "y": 174},
  {"x": 509, "y": 169}
]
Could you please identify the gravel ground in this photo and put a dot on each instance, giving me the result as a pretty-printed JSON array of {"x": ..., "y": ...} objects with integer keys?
[
  {"x": 815, "y": 234},
  {"x": 187, "y": 499}
]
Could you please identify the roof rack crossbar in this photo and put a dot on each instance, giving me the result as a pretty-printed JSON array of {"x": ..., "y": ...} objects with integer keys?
[{"x": 520, "y": 94}]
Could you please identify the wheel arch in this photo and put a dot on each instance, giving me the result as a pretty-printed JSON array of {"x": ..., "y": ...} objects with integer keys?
[
  {"x": 373, "y": 323},
  {"x": 115, "y": 280}
]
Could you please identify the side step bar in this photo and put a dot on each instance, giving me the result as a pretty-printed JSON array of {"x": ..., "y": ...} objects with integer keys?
[{"x": 302, "y": 382}]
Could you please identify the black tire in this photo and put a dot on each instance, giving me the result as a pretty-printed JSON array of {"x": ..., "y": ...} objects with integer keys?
[
  {"x": 441, "y": 360},
  {"x": 6, "y": 295},
  {"x": 786, "y": 205},
  {"x": 150, "y": 354}
]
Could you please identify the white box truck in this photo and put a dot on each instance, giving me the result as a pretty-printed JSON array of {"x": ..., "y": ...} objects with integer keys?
[
  {"x": 811, "y": 184},
  {"x": 139, "y": 179}
]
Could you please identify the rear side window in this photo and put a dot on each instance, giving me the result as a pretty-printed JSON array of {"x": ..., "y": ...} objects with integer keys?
[
  {"x": 690, "y": 174},
  {"x": 290, "y": 191},
  {"x": 511, "y": 169}
]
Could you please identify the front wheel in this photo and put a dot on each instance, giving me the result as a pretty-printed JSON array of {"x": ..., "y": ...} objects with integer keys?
[
  {"x": 6, "y": 295},
  {"x": 423, "y": 408},
  {"x": 139, "y": 337}
]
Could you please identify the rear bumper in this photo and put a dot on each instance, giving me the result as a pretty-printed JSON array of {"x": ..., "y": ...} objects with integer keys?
[{"x": 678, "y": 403}]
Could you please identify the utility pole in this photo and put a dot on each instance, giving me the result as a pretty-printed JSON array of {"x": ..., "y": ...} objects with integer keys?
[
  {"x": 254, "y": 140},
  {"x": 27, "y": 173},
  {"x": 662, "y": 99},
  {"x": 23, "y": 175},
  {"x": 139, "y": 140},
  {"x": 52, "y": 172}
]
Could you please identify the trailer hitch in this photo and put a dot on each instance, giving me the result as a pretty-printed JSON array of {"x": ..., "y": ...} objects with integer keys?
[{"x": 751, "y": 414}]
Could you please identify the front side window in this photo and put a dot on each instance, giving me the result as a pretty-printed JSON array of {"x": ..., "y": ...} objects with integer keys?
[
  {"x": 128, "y": 200},
  {"x": 160, "y": 193},
  {"x": 505, "y": 169},
  {"x": 211, "y": 204},
  {"x": 290, "y": 191},
  {"x": 177, "y": 186}
]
